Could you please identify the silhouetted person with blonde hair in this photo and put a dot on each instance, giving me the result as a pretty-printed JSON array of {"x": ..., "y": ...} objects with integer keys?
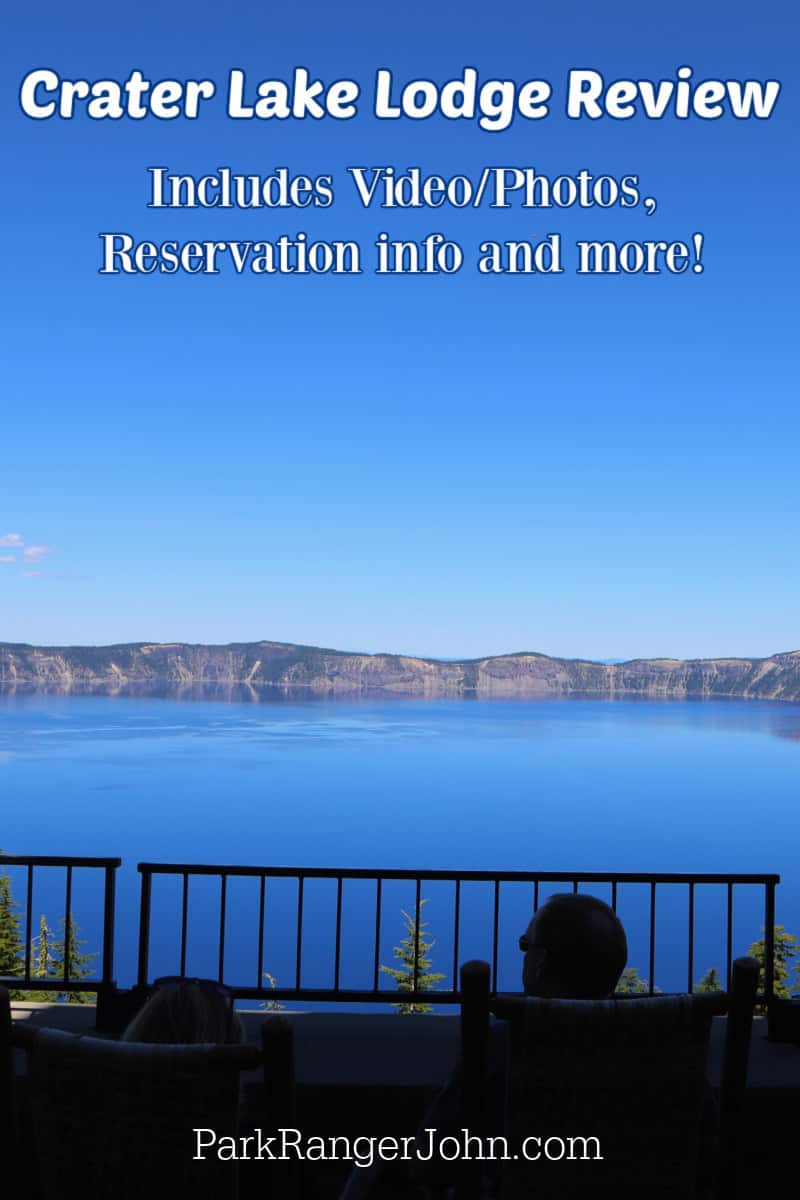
[{"x": 186, "y": 1012}]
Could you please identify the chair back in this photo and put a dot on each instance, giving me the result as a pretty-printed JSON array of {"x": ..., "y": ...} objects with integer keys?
[
  {"x": 738, "y": 1027},
  {"x": 612, "y": 1089},
  {"x": 118, "y": 1118},
  {"x": 9, "y": 1129}
]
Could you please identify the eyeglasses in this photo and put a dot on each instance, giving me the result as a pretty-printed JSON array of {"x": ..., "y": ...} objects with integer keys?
[{"x": 209, "y": 985}]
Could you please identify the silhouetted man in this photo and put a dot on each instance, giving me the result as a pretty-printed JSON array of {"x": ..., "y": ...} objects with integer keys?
[{"x": 575, "y": 949}]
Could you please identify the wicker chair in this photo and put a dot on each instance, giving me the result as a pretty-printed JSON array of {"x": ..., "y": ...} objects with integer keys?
[
  {"x": 116, "y": 1119},
  {"x": 629, "y": 1072}
]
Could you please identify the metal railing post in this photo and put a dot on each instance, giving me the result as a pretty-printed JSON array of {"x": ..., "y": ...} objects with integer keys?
[
  {"x": 109, "y": 907},
  {"x": 107, "y": 988},
  {"x": 769, "y": 943},
  {"x": 144, "y": 926}
]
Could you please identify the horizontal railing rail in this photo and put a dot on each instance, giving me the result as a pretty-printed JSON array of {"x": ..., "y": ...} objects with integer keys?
[
  {"x": 29, "y": 979},
  {"x": 414, "y": 989}
]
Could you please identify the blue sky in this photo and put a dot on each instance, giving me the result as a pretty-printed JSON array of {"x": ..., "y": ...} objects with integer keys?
[{"x": 603, "y": 467}]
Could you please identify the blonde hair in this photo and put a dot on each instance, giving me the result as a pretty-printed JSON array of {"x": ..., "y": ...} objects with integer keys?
[{"x": 185, "y": 1013}]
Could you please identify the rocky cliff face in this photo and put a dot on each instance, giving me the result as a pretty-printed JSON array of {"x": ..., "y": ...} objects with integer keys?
[{"x": 308, "y": 668}]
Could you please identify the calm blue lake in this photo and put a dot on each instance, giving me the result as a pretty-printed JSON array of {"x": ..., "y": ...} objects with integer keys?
[{"x": 543, "y": 785}]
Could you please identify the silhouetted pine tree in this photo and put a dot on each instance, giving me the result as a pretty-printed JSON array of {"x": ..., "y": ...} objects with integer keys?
[
  {"x": 417, "y": 944},
  {"x": 784, "y": 963},
  {"x": 12, "y": 949},
  {"x": 631, "y": 983},
  {"x": 710, "y": 982},
  {"x": 68, "y": 959},
  {"x": 272, "y": 1005},
  {"x": 44, "y": 964}
]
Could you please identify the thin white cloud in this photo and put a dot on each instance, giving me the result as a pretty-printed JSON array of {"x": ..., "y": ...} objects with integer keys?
[
  {"x": 31, "y": 574},
  {"x": 7, "y": 558},
  {"x": 11, "y": 539},
  {"x": 36, "y": 553}
]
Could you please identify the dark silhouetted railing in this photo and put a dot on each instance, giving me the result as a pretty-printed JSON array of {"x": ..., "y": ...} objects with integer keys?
[
  {"x": 64, "y": 982},
  {"x": 292, "y": 930}
]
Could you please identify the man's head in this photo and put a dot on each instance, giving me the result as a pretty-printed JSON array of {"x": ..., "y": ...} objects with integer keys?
[{"x": 575, "y": 948}]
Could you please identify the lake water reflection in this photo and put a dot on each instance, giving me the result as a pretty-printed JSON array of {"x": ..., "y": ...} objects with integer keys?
[{"x": 237, "y": 777}]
